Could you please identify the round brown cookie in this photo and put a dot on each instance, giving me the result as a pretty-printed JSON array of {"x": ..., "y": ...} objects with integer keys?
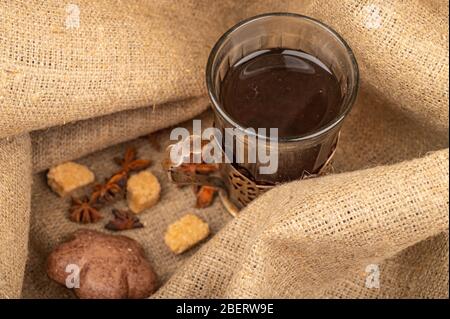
[{"x": 98, "y": 265}]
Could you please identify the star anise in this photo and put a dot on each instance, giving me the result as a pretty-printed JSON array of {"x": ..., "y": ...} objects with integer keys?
[
  {"x": 123, "y": 220},
  {"x": 110, "y": 190},
  {"x": 205, "y": 196},
  {"x": 199, "y": 168},
  {"x": 84, "y": 211},
  {"x": 129, "y": 163}
]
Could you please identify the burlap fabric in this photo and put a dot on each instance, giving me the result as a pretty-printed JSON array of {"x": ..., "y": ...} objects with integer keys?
[
  {"x": 386, "y": 205},
  {"x": 61, "y": 143},
  {"x": 121, "y": 55},
  {"x": 15, "y": 185}
]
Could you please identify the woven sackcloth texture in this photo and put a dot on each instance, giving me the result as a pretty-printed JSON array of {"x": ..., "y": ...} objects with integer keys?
[
  {"x": 87, "y": 91},
  {"x": 321, "y": 233},
  {"x": 394, "y": 41},
  {"x": 58, "y": 144},
  {"x": 49, "y": 222},
  {"x": 61, "y": 63},
  {"x": 15, "y": 185}
]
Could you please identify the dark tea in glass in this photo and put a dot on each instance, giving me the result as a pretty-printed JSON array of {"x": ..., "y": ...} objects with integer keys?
[{"x": 278, "y": 71}]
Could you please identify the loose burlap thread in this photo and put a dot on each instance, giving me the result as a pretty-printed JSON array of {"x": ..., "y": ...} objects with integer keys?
[{"x": 386, "y": 206}]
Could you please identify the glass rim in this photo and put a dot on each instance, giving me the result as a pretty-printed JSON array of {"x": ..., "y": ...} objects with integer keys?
[{"x": 309, "y": 135}]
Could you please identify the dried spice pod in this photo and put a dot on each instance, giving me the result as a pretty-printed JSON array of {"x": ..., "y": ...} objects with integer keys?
[
  {"x": 84, "y": 211},
  {"x": 199, "y": 168},
  {"x": 111, "y": 190},
  {"x": 205, "y": 196},
  {"x": 129, "y": 163},
  {"x": 195, "y": 188},
  {"x": 206, "y": 169},
  {"x": 120, "y": 178},
  {"x": 123, "y": 220}
]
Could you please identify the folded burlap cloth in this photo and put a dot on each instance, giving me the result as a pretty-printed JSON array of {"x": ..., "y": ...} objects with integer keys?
[{"x": 76, "y": 80}]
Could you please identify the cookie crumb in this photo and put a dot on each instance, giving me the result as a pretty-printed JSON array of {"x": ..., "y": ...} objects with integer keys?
[
  {"x": 143, "y": 191},
  {"x": 67, "y": 177},
  {"x": 185, "y": 233}
]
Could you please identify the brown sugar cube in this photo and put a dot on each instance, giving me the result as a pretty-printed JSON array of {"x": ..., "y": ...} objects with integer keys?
[
  {"x": 69, "y": 176},
  {"x": 185, "y": 233},
  {"x": 143, "y": 191}
]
